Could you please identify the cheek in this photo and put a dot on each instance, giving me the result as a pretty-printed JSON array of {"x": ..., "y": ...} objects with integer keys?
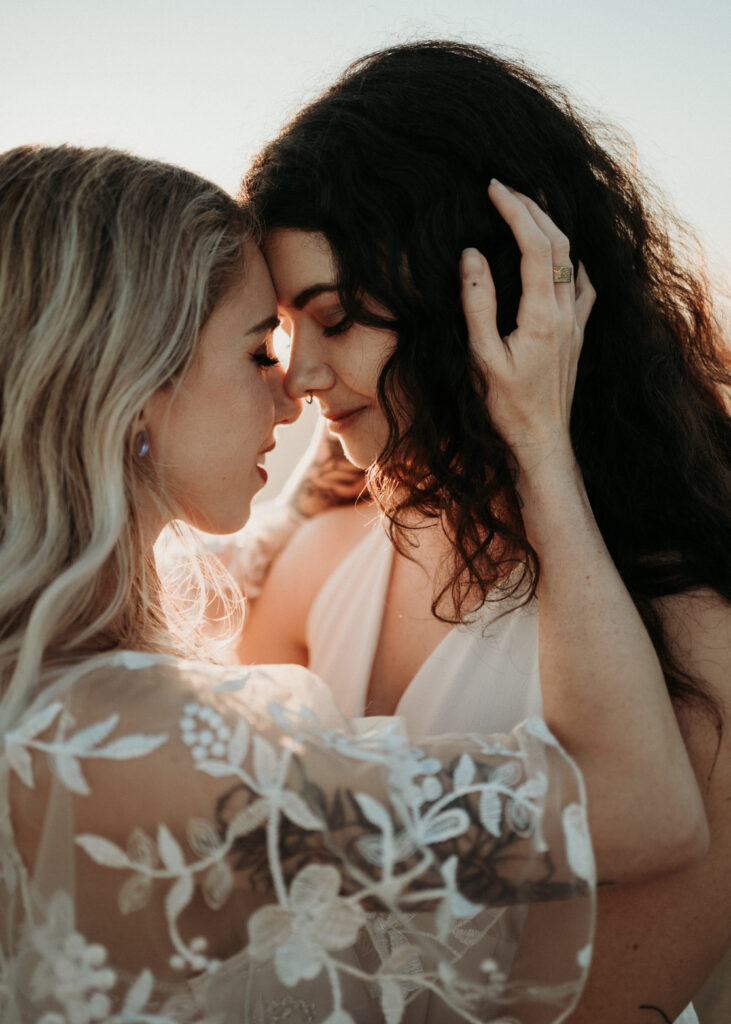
[
  {"x": 368, "y": 357},
  {"x": 257, "y": 410}
]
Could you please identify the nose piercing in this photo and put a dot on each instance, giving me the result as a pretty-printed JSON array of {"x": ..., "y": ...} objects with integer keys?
[{"x": 310, "y": 397}]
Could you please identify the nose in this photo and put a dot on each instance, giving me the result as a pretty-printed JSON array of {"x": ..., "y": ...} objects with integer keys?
[
  {"x": 308, "y": 370},
  {"x": 287, "y": 408}
]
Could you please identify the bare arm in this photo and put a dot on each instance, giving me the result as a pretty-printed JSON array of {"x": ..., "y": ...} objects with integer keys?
[
  {"x": 657, "y": 942},
  {"x": 592, "y": 638},
  {"x": 603, "y": 689},
  {"x": 276, "y": 623}
]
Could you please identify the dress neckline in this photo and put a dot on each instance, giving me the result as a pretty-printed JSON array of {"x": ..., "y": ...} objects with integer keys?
[{"x": 381, "y": 558}]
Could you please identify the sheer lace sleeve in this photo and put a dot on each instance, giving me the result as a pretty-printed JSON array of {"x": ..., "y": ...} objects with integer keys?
[{"x": 184, "y": 843}]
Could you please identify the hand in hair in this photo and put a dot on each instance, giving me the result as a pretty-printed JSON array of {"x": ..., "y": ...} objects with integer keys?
[
  {"x": 531, "y": 373},
  {"x": 595, "y": 654}
]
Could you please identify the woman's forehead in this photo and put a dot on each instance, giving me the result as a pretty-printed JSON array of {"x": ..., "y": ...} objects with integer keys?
[{"x": 301, "y": 264}]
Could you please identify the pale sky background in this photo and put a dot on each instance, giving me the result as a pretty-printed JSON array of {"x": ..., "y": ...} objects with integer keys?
[{"x": 205, "y": 83}]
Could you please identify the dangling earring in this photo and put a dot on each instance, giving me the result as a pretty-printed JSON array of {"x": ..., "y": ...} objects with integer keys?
[
  {"x": 310, "y": 397},
  {"x": 142, "y": 443}
]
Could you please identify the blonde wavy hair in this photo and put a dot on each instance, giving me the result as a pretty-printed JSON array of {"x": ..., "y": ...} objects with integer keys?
[{"x": 109, "y": 267}]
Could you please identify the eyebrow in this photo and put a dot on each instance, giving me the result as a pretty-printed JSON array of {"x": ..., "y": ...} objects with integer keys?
[
  {"x": 308, "y": 294},
  {"x": 270, "y": 324}
]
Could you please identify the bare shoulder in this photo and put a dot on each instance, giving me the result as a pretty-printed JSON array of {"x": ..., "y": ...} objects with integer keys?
[
  {"x": 275, "y": 630},
  {"x": 320, "y": 545},
  {"x": 327, "y": 538}
]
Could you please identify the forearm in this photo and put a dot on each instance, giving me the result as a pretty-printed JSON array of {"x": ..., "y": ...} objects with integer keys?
[
  {"x": 603, "y": 687},
  {"x": 591, "y": 635},
  {"x": 604, "y": 692}
]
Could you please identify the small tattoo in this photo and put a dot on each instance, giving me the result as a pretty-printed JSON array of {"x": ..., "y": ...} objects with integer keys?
[{"x": 648, "y": 1006}]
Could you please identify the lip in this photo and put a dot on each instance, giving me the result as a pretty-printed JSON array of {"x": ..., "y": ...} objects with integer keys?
[
  {"x": 260, "y": 455},
  {"x": 341, "y": 421}
]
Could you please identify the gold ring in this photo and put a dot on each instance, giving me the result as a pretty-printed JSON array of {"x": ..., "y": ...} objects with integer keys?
[{"x": 563, "y": 275}]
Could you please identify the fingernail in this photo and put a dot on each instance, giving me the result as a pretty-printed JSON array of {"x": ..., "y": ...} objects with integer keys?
[
  {"x": 498, "y": 184},
  {"x": 472, "y": 263}
]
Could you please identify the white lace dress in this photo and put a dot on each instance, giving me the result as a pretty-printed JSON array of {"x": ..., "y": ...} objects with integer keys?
[{"x": 188, "y": 843}]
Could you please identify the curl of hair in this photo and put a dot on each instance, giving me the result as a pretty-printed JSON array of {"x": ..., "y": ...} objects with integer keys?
[
  {"x": 391, "y": 164},
  {"x": 109, "y": 267}
]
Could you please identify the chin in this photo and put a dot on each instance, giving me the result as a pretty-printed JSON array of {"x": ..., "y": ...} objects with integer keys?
[
  {"x": 361, "y": 455},
  {"x": 223, "y": 522}
]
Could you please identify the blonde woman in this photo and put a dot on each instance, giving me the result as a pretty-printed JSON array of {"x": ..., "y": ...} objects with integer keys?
[{"x": 182, "y": 842}]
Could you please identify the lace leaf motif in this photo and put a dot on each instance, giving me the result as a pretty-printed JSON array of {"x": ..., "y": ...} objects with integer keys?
[
  {"x": 64, "y": 751},
  {"x": 312, "y": 922},
  {"x": 103, "y": 851}
]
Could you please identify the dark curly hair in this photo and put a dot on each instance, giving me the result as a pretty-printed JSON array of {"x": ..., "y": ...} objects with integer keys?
[{"x": 391, "y": 165}]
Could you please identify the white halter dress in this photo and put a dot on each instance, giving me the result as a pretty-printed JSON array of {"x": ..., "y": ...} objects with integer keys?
[
  {"x": 483, "y": 675},
  {"x": 484, "y": 671}
]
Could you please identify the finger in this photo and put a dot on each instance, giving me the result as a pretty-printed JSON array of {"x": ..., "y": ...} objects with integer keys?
[
  {"x": 560, "y": 249},
  {"x": 536, "y": 264},
  {"x": 479, "y": 305},
  {"x": 585, "y": 297}
]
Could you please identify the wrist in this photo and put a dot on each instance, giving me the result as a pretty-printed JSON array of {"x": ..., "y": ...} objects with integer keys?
[
  {"x": 541, "y": 470},
  {"x": 552, "y": 499}
]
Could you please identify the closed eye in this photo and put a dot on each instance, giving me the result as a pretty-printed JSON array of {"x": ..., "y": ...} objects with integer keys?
[
  {"x": 263, "y": 358},
  {"x": 339, "y": 328}
]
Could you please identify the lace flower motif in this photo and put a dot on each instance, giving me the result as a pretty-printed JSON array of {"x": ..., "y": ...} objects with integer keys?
[
  {"x": 301, "y": 935},
  {"x": 71, "y": 970},
  {"x": 204, "y": 731}
]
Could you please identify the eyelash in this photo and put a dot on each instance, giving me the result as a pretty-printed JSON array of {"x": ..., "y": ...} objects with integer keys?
[
  {"x": 339, "y": 328},
  {"x": 264, "y": 360}
]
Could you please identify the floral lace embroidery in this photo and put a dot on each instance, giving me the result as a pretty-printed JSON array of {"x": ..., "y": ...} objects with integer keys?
[
  {"x": 75, "y": 975},
  {"x": 65, "y": 751},
  {"x": 319, "y": 909}
]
